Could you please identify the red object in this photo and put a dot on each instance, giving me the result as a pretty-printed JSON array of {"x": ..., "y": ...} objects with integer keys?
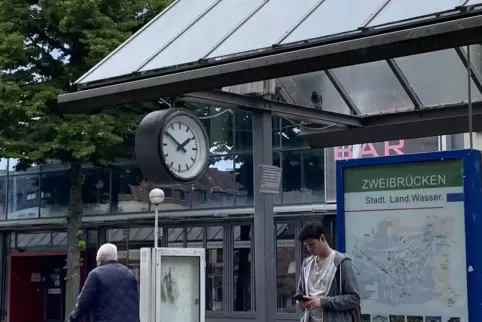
[{"x": 25, "y": 299}]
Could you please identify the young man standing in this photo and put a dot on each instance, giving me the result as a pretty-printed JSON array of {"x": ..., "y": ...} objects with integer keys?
[{"x": 328, "y": 281}]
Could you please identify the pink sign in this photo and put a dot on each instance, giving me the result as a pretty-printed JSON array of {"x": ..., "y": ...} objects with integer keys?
[{"x": 366, "y": 150}]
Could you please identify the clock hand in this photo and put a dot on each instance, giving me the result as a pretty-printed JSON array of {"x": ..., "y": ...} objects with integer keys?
[
  {"x": 182, "y": 145},
  {"x": 175, "y": 141}
]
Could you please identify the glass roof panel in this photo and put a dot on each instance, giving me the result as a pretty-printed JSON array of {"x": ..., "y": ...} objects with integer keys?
[
  {"x": 285, "y": 230},
  {"x": 373, "y": 87},
  {"x": 141, "y": 233},
  {"x": 117, "y": 234},
  {"x": 397, "y": 10},
  {"x": 299, "y": 88},
  {"x": 33, "y": 239},
  {"x": 266, "y": 25},
  {"x": 192, "y": 30},
  {"x": 176, "y": 235},
  {"x": 199, "y": 40},
  {"x": 59, "y": 239},
  {"x": 135, "y": 234},
  {"x": 195, "y": 233},
  {"x": 438, "y": 77},
  {"x": 153, "y": 38},
  {"x": 280, "y": 228},
  {"x": 333, "y": 17},
  {"x": 214, "y": 233}
]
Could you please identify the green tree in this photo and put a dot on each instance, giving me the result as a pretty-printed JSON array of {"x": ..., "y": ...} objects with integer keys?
[{"x": 45, "y": 46}]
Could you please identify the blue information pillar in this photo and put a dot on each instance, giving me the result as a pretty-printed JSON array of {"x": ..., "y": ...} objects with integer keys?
[{"x": 412, "y": 226}]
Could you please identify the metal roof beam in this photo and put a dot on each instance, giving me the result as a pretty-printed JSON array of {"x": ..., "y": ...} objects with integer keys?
[
  {"x": 293, "y": 112},
  {"x": 473, "y": 71},
  {"x": 424, "y": 122},
  {"x": 343, "y": 93},
  {"x": 412, "y": 95},
  {"x": 323, "y": 54}
]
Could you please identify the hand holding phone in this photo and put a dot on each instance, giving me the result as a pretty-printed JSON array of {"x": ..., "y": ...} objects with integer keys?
[{"x": 299, "y": 297}]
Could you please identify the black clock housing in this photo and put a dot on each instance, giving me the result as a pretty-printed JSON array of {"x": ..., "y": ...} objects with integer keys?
[{"x": 148, "y": 147}]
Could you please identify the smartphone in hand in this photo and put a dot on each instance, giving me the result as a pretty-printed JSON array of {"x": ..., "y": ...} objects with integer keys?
[{"x": 299, "y": 297}]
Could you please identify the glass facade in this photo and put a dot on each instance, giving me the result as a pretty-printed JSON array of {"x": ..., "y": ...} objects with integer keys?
[
  {"x": 43, "y": 191},
  {"x": 229, "y": 248}
]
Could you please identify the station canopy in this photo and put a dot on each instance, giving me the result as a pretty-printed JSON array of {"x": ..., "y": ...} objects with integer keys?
[{"x": 377, "y": 65}]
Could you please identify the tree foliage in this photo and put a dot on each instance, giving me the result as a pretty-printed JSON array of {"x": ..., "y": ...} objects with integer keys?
[{"x": 45, "y": 46}]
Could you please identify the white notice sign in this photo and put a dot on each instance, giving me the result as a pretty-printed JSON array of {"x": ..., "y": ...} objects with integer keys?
[
  {"x": 270, "y": 179},
  {"x": 404, "y": 229}
]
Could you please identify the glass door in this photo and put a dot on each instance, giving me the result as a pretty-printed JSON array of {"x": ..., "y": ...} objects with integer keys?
[{"x": 54, "y": 289}]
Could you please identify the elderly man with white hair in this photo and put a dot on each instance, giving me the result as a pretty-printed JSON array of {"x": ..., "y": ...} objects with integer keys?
[{"x": 110, "y": 292}]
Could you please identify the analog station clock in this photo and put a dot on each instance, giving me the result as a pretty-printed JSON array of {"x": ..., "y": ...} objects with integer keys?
[{"x": 172, "y": 147}]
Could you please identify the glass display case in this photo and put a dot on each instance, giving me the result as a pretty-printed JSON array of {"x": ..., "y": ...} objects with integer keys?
[{"x": 172, "y": 284}]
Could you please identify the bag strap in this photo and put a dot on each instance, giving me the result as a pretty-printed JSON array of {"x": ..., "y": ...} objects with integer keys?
[
  {"x": 355, "y": 313},
  {"x": 339, "y": 280},
  {"x": 338, "y": 276}
]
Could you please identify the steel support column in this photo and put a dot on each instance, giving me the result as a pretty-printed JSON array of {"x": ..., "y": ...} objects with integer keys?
[{"x": 264, "y": 227}]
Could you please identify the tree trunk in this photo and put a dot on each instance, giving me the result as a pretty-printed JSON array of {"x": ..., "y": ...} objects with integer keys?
[{"x": 74, "y": 219}]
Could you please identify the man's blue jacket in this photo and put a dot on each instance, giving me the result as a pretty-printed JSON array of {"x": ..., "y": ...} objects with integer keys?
[{"x": 110, "y": 294}]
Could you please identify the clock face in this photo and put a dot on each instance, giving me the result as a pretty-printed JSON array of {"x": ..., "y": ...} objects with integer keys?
[{"x": 184, "y": 146}]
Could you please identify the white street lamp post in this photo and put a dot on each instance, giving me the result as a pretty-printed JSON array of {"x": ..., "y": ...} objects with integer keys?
[{"x": 156, "y": 197}]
